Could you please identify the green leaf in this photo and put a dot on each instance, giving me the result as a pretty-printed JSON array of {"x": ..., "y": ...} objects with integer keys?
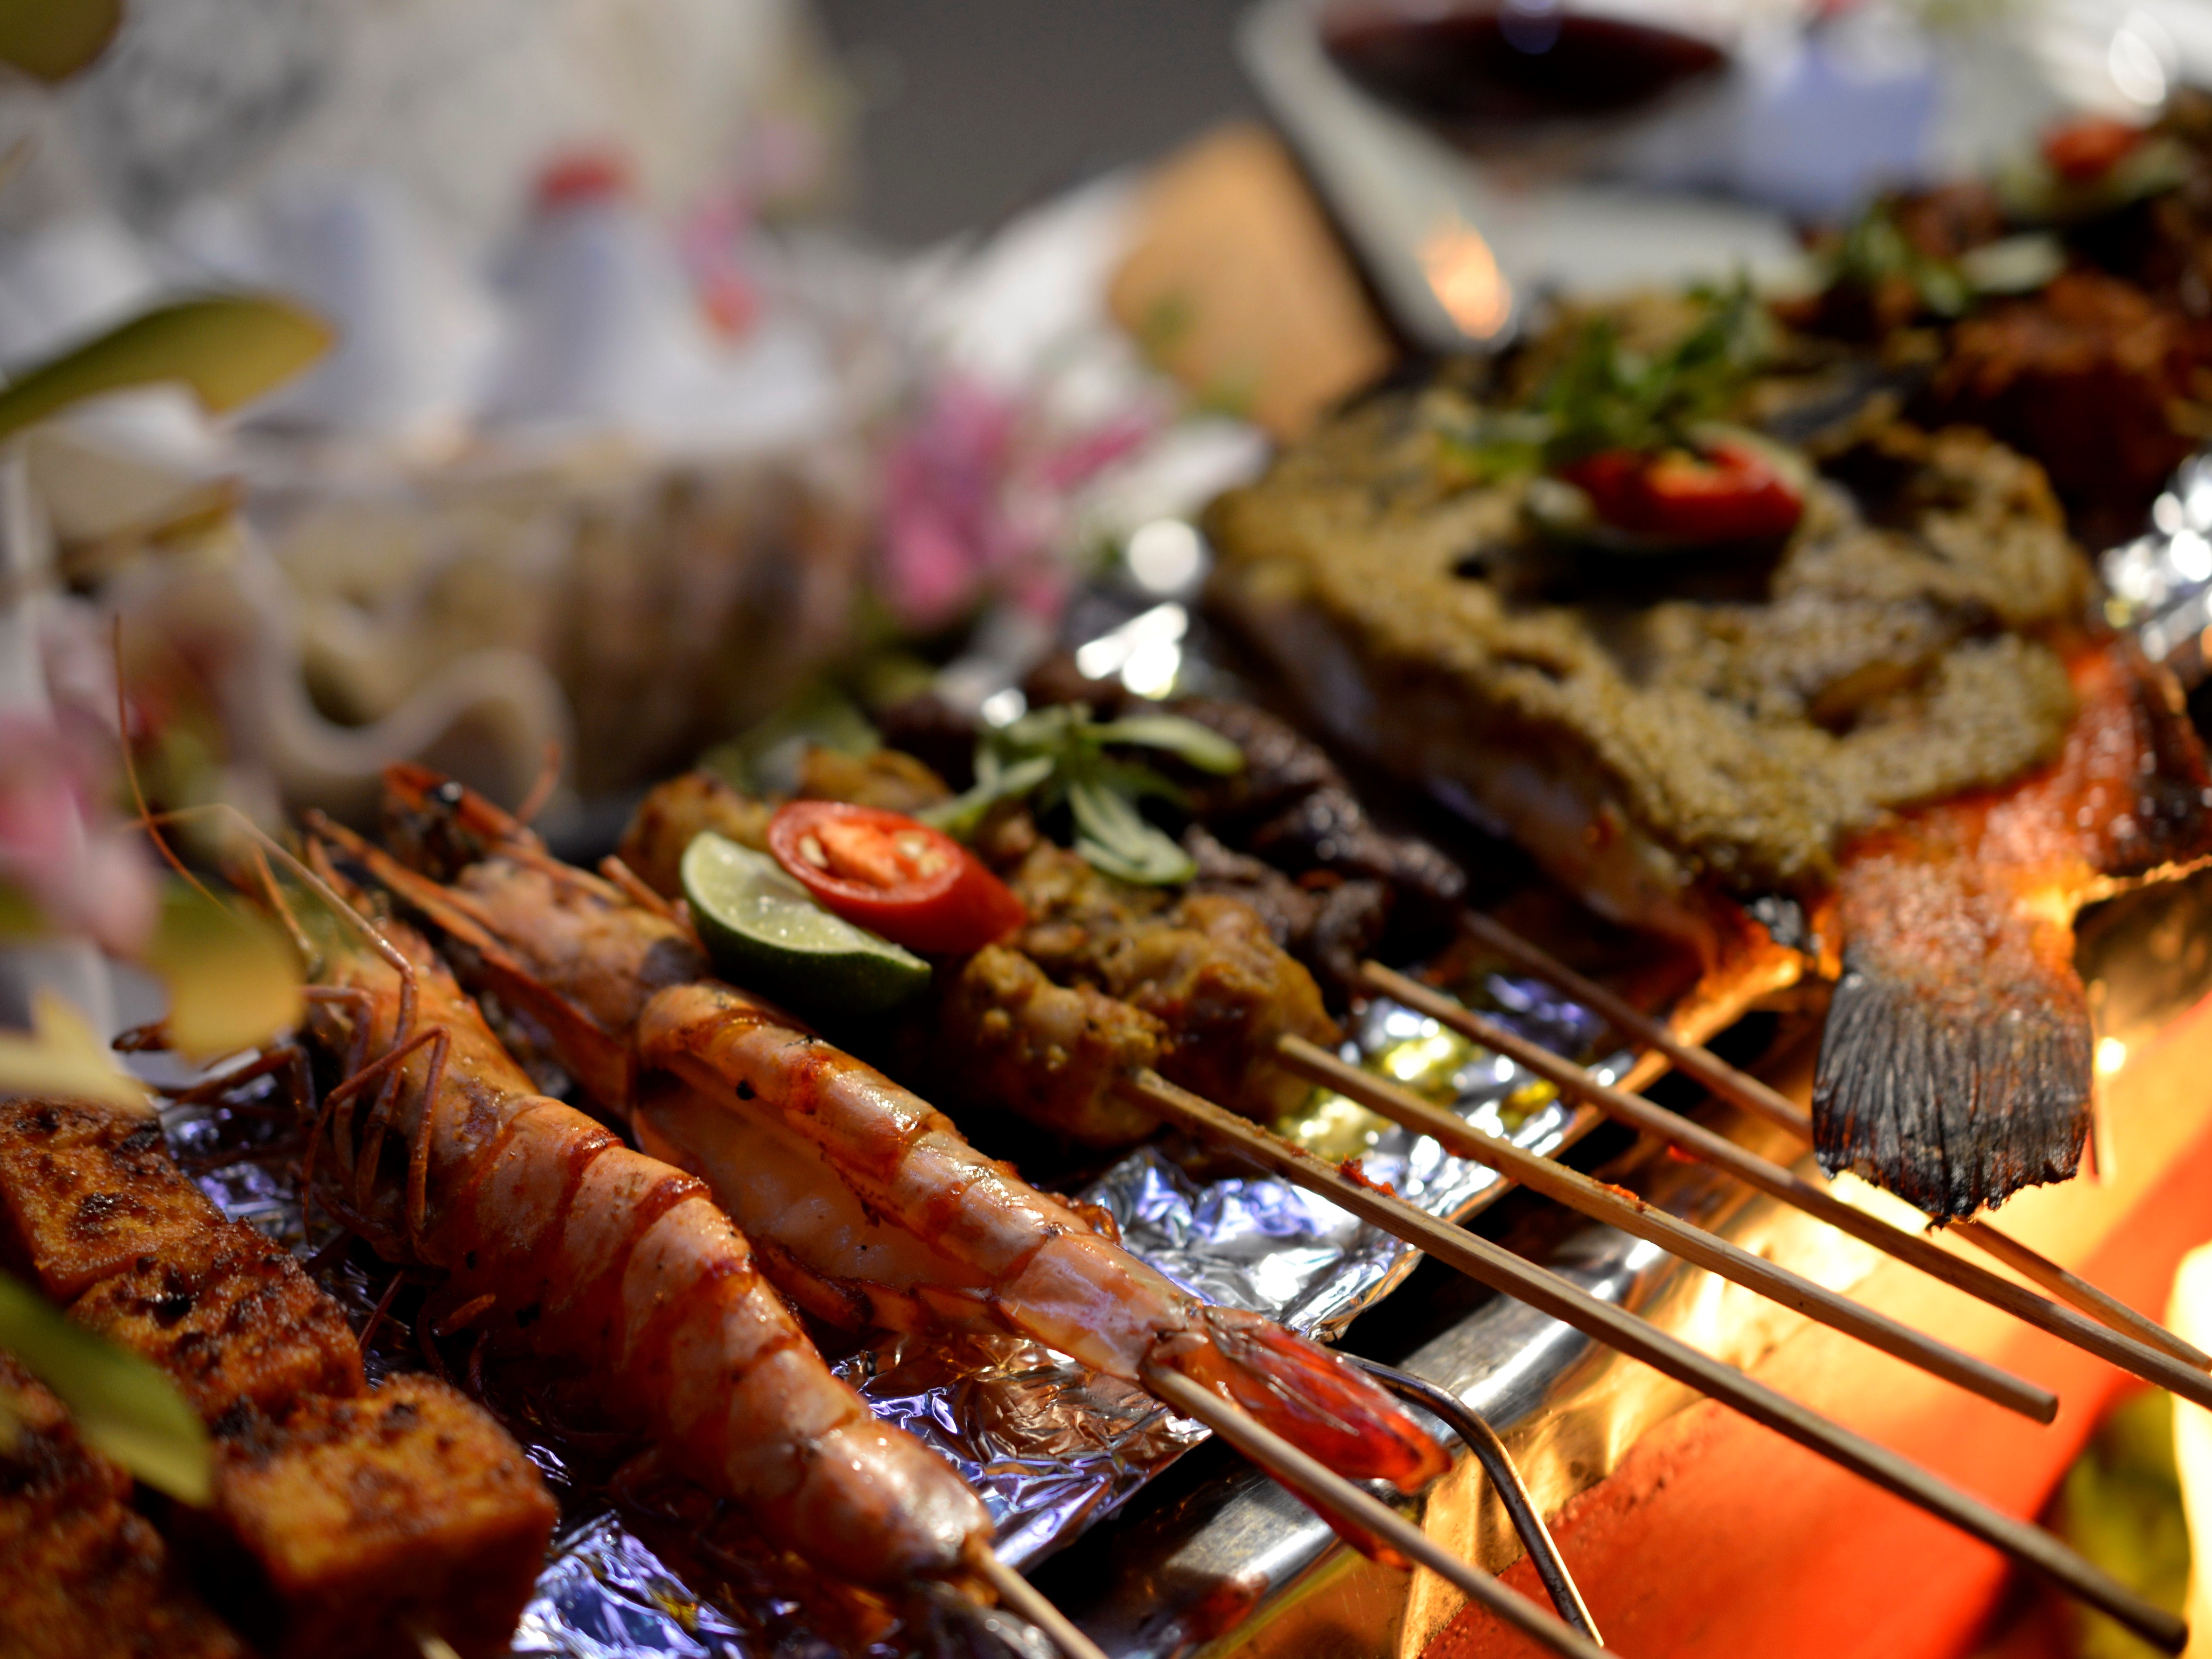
[
  {"x": 1202, "y": 746},
  {"x": 123, "y": 1407},
  {"x": 232, "y": 979},
  {"x": 229, "y": 349},
  {"x": 51, "y": 39},
  {"x": 1112, "y": 835},
  {"x": 959, "y": 816},
  {"x": 63, "y": 1055}
]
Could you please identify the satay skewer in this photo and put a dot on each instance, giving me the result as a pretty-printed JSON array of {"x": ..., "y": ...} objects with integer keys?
[
  {"x": 1611, "y": 1205},
  {"x": 1333, "y": 1492},
  {"x": 1492, "y": 1264},
  {"x": 1742, "y": 1088},
  {"x": 1693, "y": 1138},
  {"x": 1026, "y": 1599}
]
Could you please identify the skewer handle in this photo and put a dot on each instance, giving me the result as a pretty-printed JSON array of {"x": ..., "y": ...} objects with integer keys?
[
  {"x": 1489, "y": 1451},
  {"x": 1685, "y": 1135},
  {"x": 1031, "y": 1603},
  {"x": 1334, "y": 1492},
  {"x": 1754, "y": 1096},
  {"x": 1594, "y": 1198},
  {"x": 1491, "y": 1264}
]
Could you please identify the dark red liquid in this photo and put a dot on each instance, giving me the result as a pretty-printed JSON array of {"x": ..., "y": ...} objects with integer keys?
[{"x": 1482, "y": 67}]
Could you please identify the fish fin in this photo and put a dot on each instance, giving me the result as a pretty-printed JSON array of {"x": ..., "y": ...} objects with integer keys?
[
  {"x": 1311, "y": 1398},
  {"x": 1956, "y": 1066}
]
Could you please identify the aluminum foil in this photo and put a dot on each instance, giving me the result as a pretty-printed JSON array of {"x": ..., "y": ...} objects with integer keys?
[{"x": 2160, "y": 583}]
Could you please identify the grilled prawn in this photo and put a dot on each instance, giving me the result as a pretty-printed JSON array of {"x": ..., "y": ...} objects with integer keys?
[
  {"x": 570, "y": 1245},
  {"x": 868, "y": 1206}
]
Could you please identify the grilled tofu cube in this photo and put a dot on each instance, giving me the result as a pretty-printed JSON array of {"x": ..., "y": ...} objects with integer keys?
[
  {"x": 232, "y": 1318},
  {"x": 81, "y": 1575},
  {"x": 402, "y": 1510},
  {"x": 86, "y": 1190}
]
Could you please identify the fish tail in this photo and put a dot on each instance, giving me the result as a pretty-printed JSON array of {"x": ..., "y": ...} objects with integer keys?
[{"x": 1949, "y": 1085}]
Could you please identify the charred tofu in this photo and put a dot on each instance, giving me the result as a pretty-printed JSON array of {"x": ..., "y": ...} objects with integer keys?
[
  {"x": 231, "y": 1317},
  {"x": 85, "y": 1191},
  {"x": 402, "y": 1511},
  {"x": 82, "y": 1575}
]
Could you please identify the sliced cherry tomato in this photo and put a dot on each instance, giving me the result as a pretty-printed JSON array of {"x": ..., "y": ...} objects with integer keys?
[
  {"x": 892, "y": 875},
  {"x": 2081, "y": 151},
  {"x": 1726, "y": 493}
]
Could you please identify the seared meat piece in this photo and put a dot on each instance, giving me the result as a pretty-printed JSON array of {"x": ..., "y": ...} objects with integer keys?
[
  {"x": 82, "y": 1575},
  {"x": 92, "y": 1206},
  {"x": 86, "y": 1190},
  {"x": 232, "y": 1316},
  {"x": 998, "y": 1032},
  {"x": 2085, "y": 376},
  {"x": 1206, "y": 966},
  {"x": 406, "y": 1509},
  {"x": 679, "y": 809},
  {"x": 887, "y": 779},
  {"x": 1327, "y": 923}
]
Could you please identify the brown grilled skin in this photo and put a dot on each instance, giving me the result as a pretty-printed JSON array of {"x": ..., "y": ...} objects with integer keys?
[
  {"x": 348, "y": 1525},
  {"x": 1956, "y": 1066},
  {"x": 82, "y": 1575},
  {"x": 95, "y": 1209}
]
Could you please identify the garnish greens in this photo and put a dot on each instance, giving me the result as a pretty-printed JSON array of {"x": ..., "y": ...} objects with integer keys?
[
  {"x": 1875, "y": 250},
  {"x": 1604, "y": 396},
  {"x": 1058, "y": 756},
  {"x": 122, "y": 1407}
]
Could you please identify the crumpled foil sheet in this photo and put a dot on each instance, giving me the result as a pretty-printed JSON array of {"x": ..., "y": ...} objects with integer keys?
[
  {"x": 2159, "y": 584},
  {"x": 1050, "y": 1446}
]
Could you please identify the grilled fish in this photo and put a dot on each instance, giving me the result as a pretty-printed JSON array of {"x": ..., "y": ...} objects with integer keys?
[{"x": 1901, "y": 702}]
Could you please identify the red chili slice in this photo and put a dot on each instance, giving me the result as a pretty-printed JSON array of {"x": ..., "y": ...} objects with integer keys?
[
  {"x": 2087, "y": 149},
  {"x": 893, "y": 875},
  {"x": 1726, "y": 493}
]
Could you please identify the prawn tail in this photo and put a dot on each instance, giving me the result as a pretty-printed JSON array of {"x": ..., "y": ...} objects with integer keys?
[{"x": 1294, "y": 1386}]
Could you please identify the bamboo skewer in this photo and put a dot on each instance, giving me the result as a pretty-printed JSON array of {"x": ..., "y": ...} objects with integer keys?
[
  {"x": 1333, "y": 1494},
  {"x": 1491, "y": 1264},
  {"x": 2153, "y": 1364},
  {"x": 1594, "y": 1198},
  {"x": 1748, "y": 1091},
  {"x": 1026, "y": 1599}
]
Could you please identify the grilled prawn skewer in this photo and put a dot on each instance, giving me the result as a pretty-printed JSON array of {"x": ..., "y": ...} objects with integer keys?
[
  {"x": 878, "y": 1211},
  {"x": 572, "y": 1244}
]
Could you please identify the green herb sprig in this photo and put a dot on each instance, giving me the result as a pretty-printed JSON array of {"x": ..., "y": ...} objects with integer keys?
[
  {"x": 1604, "y": 396},
  {"x": 1058, "y": 756}
]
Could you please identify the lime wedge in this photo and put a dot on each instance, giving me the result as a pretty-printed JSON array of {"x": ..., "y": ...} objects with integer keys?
[{"x": 766, "y": 933}]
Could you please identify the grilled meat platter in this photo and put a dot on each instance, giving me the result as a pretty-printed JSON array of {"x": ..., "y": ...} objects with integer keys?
[{"x": 1765, "y": 628}]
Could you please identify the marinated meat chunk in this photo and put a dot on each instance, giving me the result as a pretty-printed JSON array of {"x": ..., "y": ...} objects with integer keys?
[
  {"x": 998, "y": 1030},
  {"x": 1329, "y": 924},
  {"x": 231, "y": 1317},
  {"x": 652, "y": 846},
  {"x": 1205, "y": 966},
  {"x": 886, "y": 779},
  {"x": 86, "y": 1190},
  {"x": 82, "y": 1575},
  {"x": 2086, "y": 376},
  {"x": 374, "y": 1519}
]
